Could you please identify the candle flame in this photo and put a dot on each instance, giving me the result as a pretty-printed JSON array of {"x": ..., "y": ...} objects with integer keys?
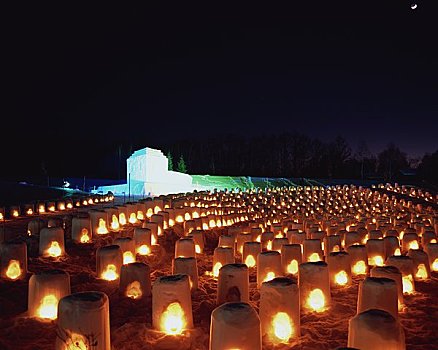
[
  {"x": 114, "y": 223},
  {"x": 85, "y": 238},
  {"x": 62, "y": 206},
  {"x": 282, "y": 325},
  {"x": 216, "y": 269},
  {"x": 41, "y": 209},
  {"x": 133, "y": 290},
  {"x": 413, "y": 245},
  {"x": 316, "y": 300},
  {"x": 179, "y": 219},
  {"x": 128, "y": 257},
  {"x": 292, "y": 267},
  {"x": 52, "y": 208},
  {"x": 376, "y": 260},
  {"x": 153, "y": 240},
  {"x": 48, "y": 307},
  {"x": 29, "y": 211},
  {"x": 314, "y": 257},
  {"x": 76, "y": 342},
  {"x": 187, "y": 216},
  {"x": 140, "y": 215},
  {"x": 341, "y": 278},
  {"x": 269, "y": 245},
  {"x": 101, "y": 230},
  {"x": 197, "y": 249},
  {"x": 143, "y": 250},
  {"x": 359, "y": 268},
  {"x": 397, "y": 252},
  {"x": 54, "y": 249},
  {"x": 408, "y": 284},
  {"x": 157, "y": 209},
  {"x": 250, "y": 261},
  {"x": 270, "y": 276},
  {"x": 14, "y": 270},
  {"x": 212, "y": 223},
  {"x": 110, "y": 273},
  {"x": 336, "y": 248},
  {"x": 132, "y": 218},
  {"x": 435, "y": 265},
  {"x": 421, "y": 272},
  {"x": 173, "y": 319},
  {"x": 122, "y": 219},
  {"x": 69, "y": 205},
  {"x": 15, "y": 213}
]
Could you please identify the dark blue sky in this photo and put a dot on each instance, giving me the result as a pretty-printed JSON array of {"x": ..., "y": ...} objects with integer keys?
[{"x": 365, "y": 70}]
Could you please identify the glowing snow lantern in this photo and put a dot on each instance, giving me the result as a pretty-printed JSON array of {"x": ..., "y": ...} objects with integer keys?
[
  {"x": 241, "y": 239},
  {"x": 60, "y": 205},
  {"x": 13, "y": 260},
  {"x": 375, "y": 329},
  {"x": 291, "y": 257},
  {"x": 51, "y": 242},
  {"x": 135, "y": 280},
  {"x": 185, "y": 248},
  {"x": 172, "y": 304},
  {"x": 50, "y": 206},
  {"x": 378, "y": 293},
  {"x": 296, "y": 237},
  {"x": 188, "y": 266},
  {"x": 83, "y": 322},
  {"x": 268, "y": 266},
  {"x": 250, "y": 252},
  {"x": 233, "y": 283},
  {"x": 235, "y": 326},
  {"x": 421, "y": 264},
  {"x": 391, "y": 245},
  {"x": 109, "y": 260},
  {"x": 98, "y": 222},
  {"x": 332, "y": 244},
  {"x": 428, "y": 237},
  {"x": 375, "y": 252},
  {"x": 280, "y": 310},
  {"x": 45, "y": 290},
  {"x": 312, "y": 250},
  {"x": 142, "y": 239},
  {"x": 221, "y": 257},
  {"x": 432, "y": 253},
  {"x": 410, "y": 241},
  {"x": 34, "y": 226},
  {"x": 359, "y": 259},
  {"x": 406, "y": 266},
  {"x": 127, "y": 246},
  {"x": 352, "y": 238},
  {"x": 15, "y": 212},
  {"x": 198, "y": 238},
  {"x": 28, "y": 209},
  {"x": 314, "y": 285},
  {"x": 266, "y": 240},
  {"x": 81, "y": 229},
  {"x": 189, "y": 226},
  {"x": 277, "y": 243},
  {"x": 339, "y": 266},
  {"x": 393, "y": 273}
]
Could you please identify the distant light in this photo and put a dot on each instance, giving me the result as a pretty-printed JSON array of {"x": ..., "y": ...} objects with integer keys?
[{"x": 413, "y": 6}]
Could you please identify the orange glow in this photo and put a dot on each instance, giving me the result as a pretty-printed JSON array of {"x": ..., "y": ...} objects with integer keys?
[
  {"x": 216, "y": 269},
  {"x": 85, "y": 238},
  {"x": 279, "y": 235},
  {"x": 110, "y": 273},
  {"x": 54, "y": 249},
  {"x": 397, "y": 252},
  {"x": 101, "y": 230},
  {"x": 259, "y": 238},
  {"x": 195, "y": 215},
  {"x": 76, "y": 342},
  {"x": 144, "y": 250},
  {"x": 153, "y": 240},
  {"x": 1, "y": 216},
  {"x": 314, "y": 257},
  {"x": 29, "y": 211},
  {"x": 421, "y": 272},
  {"x": 52, "y": 208},
  {"x": 140, "y": 215},
  {"x": 435, "y": 265},
  {"x": 413, "y": 245},
  {"x": 14, "y": 270},
  {"x": 433, "y": 240},
  {"x": 157, "y": 209},
  {"x": 293, "y": 267},
  {"x": 122, "y": 219},
  {"x": 41, "y": 209},
  {"x": 250, "y": 261},
  {"x": 173, "y": 319},
  {"x": 171, "y": 222},
  {"x": 114, "y": 223},
  {"x": 149, "y": 212},
  {"x": 62, "y": 206},
  {"x": 270, "y": 276},
  {"x": 212, "y": 223},
  {"x": 359, "y": 268},
  {"x": 376, "y": 260},
  {"x": 133, "y": 290},
  {"x": 128, "y": 257},
  {"x": 316, "y": 300},
  {"x": 69, "y": 205},
  {"x": 336, "y": 248},
  {"x": 187, "y": 216},
  {"x": 15, "y": 213},
  {"x": 132, "y": 218},
  {"x": 48, "y": 308},
  {"x": 269, "y": 245},
  {"x": 205, "y": 226},
  {"x": 341, "y": 278},
  {"x": 408, "y": 284},
  {"x": 282, "y": 325},
  {"x": 197, "y": 249}
]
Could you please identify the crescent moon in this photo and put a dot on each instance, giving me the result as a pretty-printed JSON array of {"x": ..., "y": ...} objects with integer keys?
[{"x": 413, "y": 6}]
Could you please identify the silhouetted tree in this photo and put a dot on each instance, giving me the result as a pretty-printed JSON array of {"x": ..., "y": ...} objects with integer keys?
[
  {"x": 428, "y": 168},
  {"x": 182, "y": 167},
  {"x": 390, "y": 161},
  {"x": 169, "y": 161}
]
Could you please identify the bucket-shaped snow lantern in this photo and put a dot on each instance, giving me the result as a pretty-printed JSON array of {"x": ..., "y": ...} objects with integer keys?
[
  {"x": 227, "y": 241},
  {"x": 13, "y": 260},
  {"x": 83, "y": 322},
  {"x": 241, "y": 239},
  {"x": 127, "y": 246},
  {"x": 233, "y": 284},
  {"x": 392, "y": 246},
  {"x": 375, "y": 252},
  {"x": 266, "y": 240},
  {"x": 378, "y": 293},
  {"x": 405, "y": 264},
  {"x": 352, "y": 238},
  {"x": 189, "y": 226},
  {"x": 142, "y": 240},
  {"x": 375, "y": 329},
  {"x": 296, "y": 237},
  {"x": 268, "y": 266},
  {"x": 221, "y": 257},
  {"x": 159, "y": 220},
  {"x": 250, "y": 252},
  {"x": 99, "y": 222},
  {"x": 199, "y": 239},
  {"x": 312, "y": 250},
  {"x": 280, "y": 310},
  {"x": 46, "y": 289},
  {"x": 393, "y": 273},
  {"x": 81, "y": 230},
  {"x": 135, "y": 280},
  {"x": 51, "y": 243},
  {"x": 432, "y": 253},
  {"x": 314, "y": 285},
  {"x": 358, "y": 259},
  {"x": 109, "y": 261},
  {"x": 277, "y": 243},
  {"x": 410, "y": 241},
  {"x": 235, "y": 325},
  {"x": 421, "y": 264},
  {"x": 339, "y": 265},
  {"x": 332, "y": 244},
  {"x": 185, "y": 248},
  {"x": 172, "y": 304},
  {"x": 34, "y": 227},
  {"x": 291, "y": 258},
  {"x": 188, "y": 266}
]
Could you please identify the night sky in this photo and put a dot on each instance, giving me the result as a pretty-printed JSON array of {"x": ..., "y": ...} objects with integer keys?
[{"x": 80, "y": 80}]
